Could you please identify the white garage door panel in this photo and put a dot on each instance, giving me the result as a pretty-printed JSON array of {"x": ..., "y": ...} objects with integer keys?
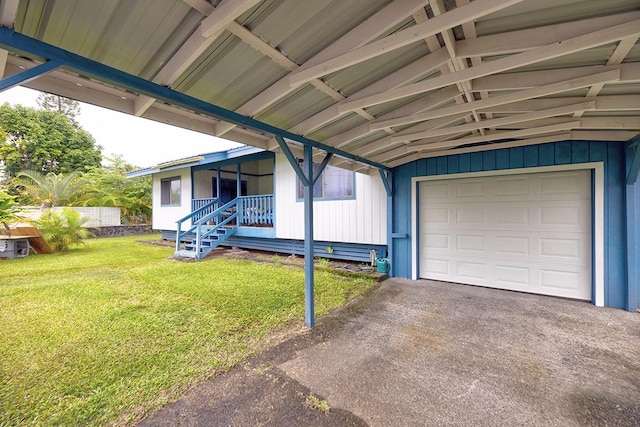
[{"x": 527, "y": 233}]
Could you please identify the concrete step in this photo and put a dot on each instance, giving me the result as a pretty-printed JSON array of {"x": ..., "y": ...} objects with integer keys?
[{"x": 185, "y": 254}]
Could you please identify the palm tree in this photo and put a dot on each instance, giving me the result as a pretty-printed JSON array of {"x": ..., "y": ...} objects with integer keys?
[
  {"x": 54, "y": 189},
  {"x": 65, "y": 229}
]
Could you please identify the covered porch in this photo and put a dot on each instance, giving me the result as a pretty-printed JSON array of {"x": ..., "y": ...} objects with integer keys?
[{"x": 247, "y": 178}]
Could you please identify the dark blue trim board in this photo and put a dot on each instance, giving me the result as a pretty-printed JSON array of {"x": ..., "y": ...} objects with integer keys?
[
  {"x": 621, "y": 233},
  {"x": 359, "y": 252}
]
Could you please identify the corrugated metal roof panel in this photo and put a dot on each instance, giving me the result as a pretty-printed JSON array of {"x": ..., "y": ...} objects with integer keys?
[
  {"x": 530, "y": 14},
  {"x": 355, "y": 78},
  {"x": 296, "y": 107},
  {"x": 391, "y": 72}
]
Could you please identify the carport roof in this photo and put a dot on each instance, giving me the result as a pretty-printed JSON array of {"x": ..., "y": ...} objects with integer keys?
[{"x": 386, "y": 81}]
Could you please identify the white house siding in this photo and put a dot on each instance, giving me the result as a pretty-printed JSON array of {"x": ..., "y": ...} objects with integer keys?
[
  {"x": 361, "y": 220},
  {"x": 165, "y": 217}
]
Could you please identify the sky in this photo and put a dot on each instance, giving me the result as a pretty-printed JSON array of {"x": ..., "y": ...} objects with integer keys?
[{"x": 141, "y": 142}]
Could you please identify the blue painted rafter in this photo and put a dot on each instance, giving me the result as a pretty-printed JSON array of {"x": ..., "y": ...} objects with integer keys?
[
  {"x": 292, "y": 160},
  {"x": 16, "y": 42},
  {"x": 386, "y": 178},
  {"x": 28, "y": 75},
  {"x": 323, "y": 165}
]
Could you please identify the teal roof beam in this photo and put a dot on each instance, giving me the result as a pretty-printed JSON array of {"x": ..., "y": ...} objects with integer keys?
[{"x": 28, "y": 75}]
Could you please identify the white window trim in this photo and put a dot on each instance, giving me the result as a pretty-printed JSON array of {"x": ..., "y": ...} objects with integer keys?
[
  {"x": 170, "y": 179},
  {"x": 323, "y": 198}
]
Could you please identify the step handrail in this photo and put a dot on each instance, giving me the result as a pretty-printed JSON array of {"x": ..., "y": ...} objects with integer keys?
[
  {"x": 179, "y": 233},
  {"x": 200, "y": 236},
  {"x": 197, "y": 225}
]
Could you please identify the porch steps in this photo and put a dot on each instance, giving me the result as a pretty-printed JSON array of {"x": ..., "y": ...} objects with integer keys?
[{"x": 207, "y": 244}]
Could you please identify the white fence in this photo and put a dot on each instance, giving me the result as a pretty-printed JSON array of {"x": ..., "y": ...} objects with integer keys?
[{"x": 98, "y": 216}]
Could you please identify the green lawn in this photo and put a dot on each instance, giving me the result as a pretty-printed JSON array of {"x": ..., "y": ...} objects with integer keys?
[{"x": 109, "y": 331}]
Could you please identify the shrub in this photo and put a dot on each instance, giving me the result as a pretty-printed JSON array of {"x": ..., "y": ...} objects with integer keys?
[
  {"x": 63, "y": 230},
  {"x": 9, "y": 212}
]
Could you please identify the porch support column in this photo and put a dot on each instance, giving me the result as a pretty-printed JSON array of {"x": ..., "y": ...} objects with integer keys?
[
  {"x": 307, "y": 178},
  {"x": 218, "y": 189},
  {"x": 387, "y": 180},
  {"x": 218, "y": 186},
  {"x": 239, "y": 207},
  {"x": 309, "y": 304}
]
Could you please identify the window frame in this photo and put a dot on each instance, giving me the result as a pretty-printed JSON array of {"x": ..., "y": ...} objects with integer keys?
[
  {"x": 299, "y": 186},
  {"x": 170, "y": 180}
]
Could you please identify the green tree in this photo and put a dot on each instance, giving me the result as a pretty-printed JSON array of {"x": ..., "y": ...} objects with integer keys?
[
  {"x": 51, "y": 189},
  {"x": 112, "y": 188},
  {"x": 63, "y": 230},
  {"x": 46, "y": 141},
  {"x": 66, "y": 106}
]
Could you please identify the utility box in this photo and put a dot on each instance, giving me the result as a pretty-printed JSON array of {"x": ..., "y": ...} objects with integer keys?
[{"x": 11, "y": 248}]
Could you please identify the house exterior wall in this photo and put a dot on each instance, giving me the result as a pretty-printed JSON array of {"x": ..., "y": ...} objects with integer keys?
[
  {"x": 358, "y": 220},
  {"x": 164, "y": 217},
  {"x": 612, "y": 155}
]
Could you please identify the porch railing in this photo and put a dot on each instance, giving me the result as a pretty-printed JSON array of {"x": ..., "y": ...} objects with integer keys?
[
  {"x": 203, "y": 207},
  {"x": 257, "y": 210}
]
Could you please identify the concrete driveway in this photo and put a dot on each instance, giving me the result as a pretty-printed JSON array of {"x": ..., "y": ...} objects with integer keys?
[{"x": 428, "y": 353}]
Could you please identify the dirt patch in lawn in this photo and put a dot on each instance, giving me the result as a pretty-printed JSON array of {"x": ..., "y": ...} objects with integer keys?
[{"x": 276, "y": 258}]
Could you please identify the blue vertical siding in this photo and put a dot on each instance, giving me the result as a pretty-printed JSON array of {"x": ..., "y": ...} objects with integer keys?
[
  {"x": 558, "y": 153},
  {"x": 615, "y": 226},
  {"x": 516, "y": 157},
  {"x": 633, "y": 232},
  {"x": 464, "y": 163},
  {"x": 476, "y": 162},
  {"x": 502, "y": 159},
  {"x": 531, "y": 156}
]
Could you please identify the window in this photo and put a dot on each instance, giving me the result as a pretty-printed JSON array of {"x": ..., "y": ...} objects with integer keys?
[
  {"x": 170, "y": 191},
  {"x": 334, "y": 183}
]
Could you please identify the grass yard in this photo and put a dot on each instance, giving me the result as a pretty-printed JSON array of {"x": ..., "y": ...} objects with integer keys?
[{"x": 105, "y": 333}]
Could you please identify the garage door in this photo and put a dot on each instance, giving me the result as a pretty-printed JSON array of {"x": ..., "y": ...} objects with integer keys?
[{"x": 529, "y": 233}]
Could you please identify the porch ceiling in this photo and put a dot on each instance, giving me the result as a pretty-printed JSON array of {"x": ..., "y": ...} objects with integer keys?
[{"x": 387, "y": 81}]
